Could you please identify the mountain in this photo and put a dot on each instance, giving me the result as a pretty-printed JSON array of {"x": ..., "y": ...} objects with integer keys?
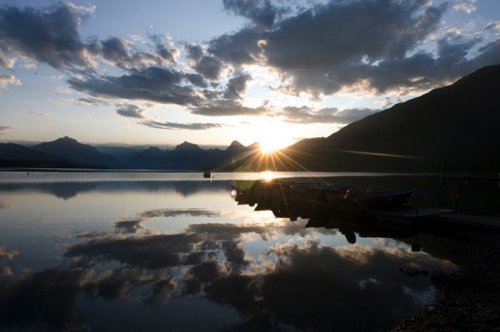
[
  {"x": 11, "y": 151},
  {"x": 235, "y": 146},
  {"x": 15, "y": 155},
  {"x": 70, "y": 150},
  {"x": 454, "y": 128},
  {"x": 150, "y": 158},
  {"x": 187, "y": 147}
]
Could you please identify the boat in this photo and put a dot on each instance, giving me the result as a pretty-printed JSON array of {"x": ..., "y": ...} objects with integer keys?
[{"x": 373, "y": 200}]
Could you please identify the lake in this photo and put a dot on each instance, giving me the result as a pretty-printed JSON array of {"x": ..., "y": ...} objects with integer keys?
[{"x": 175, "y": 252}]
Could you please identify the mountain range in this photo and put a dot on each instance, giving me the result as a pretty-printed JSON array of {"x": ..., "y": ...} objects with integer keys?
[
  {"x": 453, "y": 128},
  {"x": 66, "y": 152}
]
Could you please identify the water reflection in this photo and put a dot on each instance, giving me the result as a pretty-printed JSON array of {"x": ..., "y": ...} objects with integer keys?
[
  {"x": 199, "y": 261},
  {"x": 67, "y": 190}
]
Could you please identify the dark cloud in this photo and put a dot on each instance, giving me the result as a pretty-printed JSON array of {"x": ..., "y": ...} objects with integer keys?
[
  {"x": 226, "y": 107},
  {"x": 46, "y": 35},
  {"x": 168, "y": 54},
  {"x": 210, "y": 67},
  {"x": 45, "y": 300},
  {"x": 93, "y": 101},
  {"x": 236, "y": 86},
  {"x": 149, "y": 252},
  {"x": 425, "y": 71},
  {"x": 325, "y": 115},
  {"x": 153, "y": 83},
  {"x": 129, "y": 226},
  {"x": 175, "y": 125},
  {"x": 260, "y": 12},
  {"x": 234, "y": 252},
  {"x": 175, "y": 213},
  {"x": 130, "y": 111},
  {"x": 197, "y": 79},
  {"x": 206, "y": 271},
  {"x": 238, "y": 48},
  {"x": 327, "y": 35},
  {"x": 119, "y": 52},
  {"x": 356, "y": 45},
  {"x": 370, "y": 292},
  {"x": 194, "y": 52}
]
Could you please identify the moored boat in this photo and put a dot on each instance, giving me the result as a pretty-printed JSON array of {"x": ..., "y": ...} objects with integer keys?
[{"x": 372, "y": 199}]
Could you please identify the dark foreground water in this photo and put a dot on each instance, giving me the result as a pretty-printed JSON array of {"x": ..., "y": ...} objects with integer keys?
[{"x": 174, "y": 252}]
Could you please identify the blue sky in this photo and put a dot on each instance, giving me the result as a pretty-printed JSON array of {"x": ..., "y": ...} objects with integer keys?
[{"x": 163, "y": 72}]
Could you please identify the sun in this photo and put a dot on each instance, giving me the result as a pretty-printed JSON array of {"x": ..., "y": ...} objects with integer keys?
[
  {"x": 270, "y": 146},
  {"x": 273, "y": 135}
]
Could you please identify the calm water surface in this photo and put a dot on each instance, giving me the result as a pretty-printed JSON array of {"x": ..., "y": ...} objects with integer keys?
[{"x": 174, "y": 252}]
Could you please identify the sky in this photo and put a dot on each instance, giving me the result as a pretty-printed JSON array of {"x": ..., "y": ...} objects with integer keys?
[{"x": 161, "y": 72}]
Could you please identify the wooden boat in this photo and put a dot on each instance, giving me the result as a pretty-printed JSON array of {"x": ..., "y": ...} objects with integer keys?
[{"x": 372, "y": 199}]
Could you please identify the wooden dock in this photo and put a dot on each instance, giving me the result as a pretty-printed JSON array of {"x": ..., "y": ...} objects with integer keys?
[
  {"x": 440, "y": 218},
  {"x": 456, "y": 219}
]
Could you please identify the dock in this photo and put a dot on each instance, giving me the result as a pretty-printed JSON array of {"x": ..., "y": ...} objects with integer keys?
[
  {"x": 440, "y": 218},
  {"x": 292, "y": 198},
  {"x": 456, "y": 219}
]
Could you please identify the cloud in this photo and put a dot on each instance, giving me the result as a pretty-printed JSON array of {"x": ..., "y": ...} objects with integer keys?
[
  {"x": 494, "y": 26},
  {"x": 326, "y": 115},
  {"x": 260, "y": 12},
  {"x": 6, "y": 62},
  {"x": 129, "y": 226},
  {"x": 130, "y": 111},
  {"x": 194, "y": 51},
  {"x": 133, "y": 225},
  {"x": 233, "y": 250},
  {"x": 305, "y": 279},
  {"x": 93, "y": 101},
  {"x": 175, "y": 125},
  {"x": 326, "y": 35},
  {"x": 206, "y": 271},
  {"x": 321, "y": 51},
  {"x": 182, "y": 212},
  {"x": 150, "y": 252},
  {"x": 237, "y": 48},
  {"x": 227, "y": 107},
  {"x": 157, "y": 84},
  {"x": 42, "y": 114},
  {"x": 208, "y": 66},
  {"x": 46, "y": 35},
  {"x": 8, "y": 80},
  {"x": 465, "y": 7},
  {"x": 236, "y": 86},
  {"x": 8, "y": 254},
  {"x": 119, "y": 52},
  {"x": 4, "y": 129}
]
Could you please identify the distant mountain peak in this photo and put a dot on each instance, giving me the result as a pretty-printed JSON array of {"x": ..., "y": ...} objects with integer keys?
[
  {"x": 235, "y": 145},
  {"x": 66, "y": 139},
  {"x": 151, "y": 151},
  {"x": 186, "y": 146}
]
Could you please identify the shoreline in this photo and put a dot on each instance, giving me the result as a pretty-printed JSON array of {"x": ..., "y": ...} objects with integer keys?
[{"x": 468, "y": 299}]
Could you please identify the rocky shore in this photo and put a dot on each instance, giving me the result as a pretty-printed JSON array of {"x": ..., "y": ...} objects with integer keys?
[{"x": 468, "y": 299}]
